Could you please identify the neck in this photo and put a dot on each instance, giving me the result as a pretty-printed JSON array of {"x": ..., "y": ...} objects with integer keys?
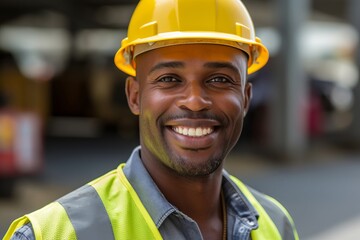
[{"x": 197, "y": 197}]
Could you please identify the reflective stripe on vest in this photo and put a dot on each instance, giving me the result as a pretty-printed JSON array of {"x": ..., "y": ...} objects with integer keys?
[
  {"x": 77, "y": 205},
  {"x": 109, "y": 207}
]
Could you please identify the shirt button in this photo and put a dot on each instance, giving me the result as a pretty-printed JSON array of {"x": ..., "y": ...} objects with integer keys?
[{"x": 250, "y": 222}]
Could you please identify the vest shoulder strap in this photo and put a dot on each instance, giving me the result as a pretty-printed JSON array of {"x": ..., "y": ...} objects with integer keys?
[
  {"x": 278, "y": 214},
  {"x": 274, "y": 219},
  {"x": 129, "y": 218}
]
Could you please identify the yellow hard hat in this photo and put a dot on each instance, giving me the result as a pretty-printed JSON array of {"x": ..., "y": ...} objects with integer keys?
[{"x": 161, "y": 23}]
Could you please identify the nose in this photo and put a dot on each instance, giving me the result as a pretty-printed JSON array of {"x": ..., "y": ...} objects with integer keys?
[{"x": 195, "y": 98}]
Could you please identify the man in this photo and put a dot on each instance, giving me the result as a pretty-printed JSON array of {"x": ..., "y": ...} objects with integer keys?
[{"x": 188, "y": 62}]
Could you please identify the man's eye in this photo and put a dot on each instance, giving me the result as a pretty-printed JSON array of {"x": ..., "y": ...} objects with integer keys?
[
  {"x": 168, "y": 80},
  {"x": 219, "y": 80}
]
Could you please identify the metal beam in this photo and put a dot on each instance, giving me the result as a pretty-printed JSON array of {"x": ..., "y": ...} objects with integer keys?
[
  {"x": 288, "y": 136},
  {"x": 354, "y": 19}
]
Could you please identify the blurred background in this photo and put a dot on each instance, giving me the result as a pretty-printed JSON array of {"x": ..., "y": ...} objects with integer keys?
[{"x": 64, "y": 119}]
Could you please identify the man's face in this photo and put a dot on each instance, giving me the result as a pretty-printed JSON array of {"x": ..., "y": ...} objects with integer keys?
[{"x": 191, "y": 101}]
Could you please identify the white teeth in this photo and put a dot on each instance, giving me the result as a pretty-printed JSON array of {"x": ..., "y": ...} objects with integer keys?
[
  {"x": 198, "y": 132},
  {"x": 193, "y": 132}
]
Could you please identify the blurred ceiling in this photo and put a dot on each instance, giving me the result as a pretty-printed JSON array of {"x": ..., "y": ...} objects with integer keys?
[
  {"x": 85, "y": 14},
  {"x": 45, "y": 34},
  {"x": 76, "y": 14}
]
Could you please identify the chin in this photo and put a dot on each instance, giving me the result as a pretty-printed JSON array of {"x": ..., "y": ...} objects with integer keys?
[{"x": 194, "y": 164}]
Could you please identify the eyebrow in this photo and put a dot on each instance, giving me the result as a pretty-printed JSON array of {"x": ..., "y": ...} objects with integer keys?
[
  {"x": 178, "y": 64},
  {"x": 221, "y": 65},
  {"x": 173, "y": 64}
]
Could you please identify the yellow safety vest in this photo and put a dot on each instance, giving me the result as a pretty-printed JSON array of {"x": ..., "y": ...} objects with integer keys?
[{"x": 109, "y": 208}]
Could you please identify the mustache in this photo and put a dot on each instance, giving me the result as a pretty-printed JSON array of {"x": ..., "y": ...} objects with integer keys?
[{"x": 195, "y": 115}]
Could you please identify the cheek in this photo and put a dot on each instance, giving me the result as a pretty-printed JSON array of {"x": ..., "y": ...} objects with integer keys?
[
  {"x": 233, "y": 106},
  {"x": 153, "y": 109},
  {"x": 153, "y": 105}
]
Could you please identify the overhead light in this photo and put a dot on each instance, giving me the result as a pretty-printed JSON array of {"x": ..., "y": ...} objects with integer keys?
[{"x": 40, "y": 52}]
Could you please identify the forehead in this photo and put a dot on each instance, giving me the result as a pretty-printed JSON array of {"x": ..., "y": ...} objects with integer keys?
[{"x": 191, "y": 54}]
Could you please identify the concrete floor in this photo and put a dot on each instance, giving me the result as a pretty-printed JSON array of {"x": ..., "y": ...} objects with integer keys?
[{"x": 322, "y": 193}]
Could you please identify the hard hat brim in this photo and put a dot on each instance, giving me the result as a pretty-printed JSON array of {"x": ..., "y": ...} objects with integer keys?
[{"x": 257, "y": 52}]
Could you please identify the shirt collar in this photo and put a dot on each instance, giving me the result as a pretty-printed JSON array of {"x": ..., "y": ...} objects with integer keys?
[
  {"x": 159, "y": 208},
  {"x": 237, "y": 202}
]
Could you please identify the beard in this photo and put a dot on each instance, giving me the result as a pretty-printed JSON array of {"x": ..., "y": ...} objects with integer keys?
[{"x": 190, "y": 167}]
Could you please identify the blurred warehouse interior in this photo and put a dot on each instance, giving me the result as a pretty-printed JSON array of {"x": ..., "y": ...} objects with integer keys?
[
  {"x": 57, "y": 61},
  {"x": 64, "y": 118}
]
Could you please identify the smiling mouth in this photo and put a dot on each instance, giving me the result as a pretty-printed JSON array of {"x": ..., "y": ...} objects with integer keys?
[{"x": 193, "y": 132}]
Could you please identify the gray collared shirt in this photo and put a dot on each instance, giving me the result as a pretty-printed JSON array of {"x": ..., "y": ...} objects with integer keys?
[{"x": 172, "y": 223}]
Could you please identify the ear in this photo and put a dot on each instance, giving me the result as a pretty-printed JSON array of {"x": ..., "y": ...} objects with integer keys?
[
  {"x": 248, "y": 96},
  {"x": 132, "y": 94}
]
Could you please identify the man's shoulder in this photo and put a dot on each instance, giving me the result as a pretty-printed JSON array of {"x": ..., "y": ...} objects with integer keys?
[
  {"x": 271, "y": 207},
  {"x": 85, "y": 198},
  {"x": 277, "y": 212},
  {"x": 270, "y": 204}
]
